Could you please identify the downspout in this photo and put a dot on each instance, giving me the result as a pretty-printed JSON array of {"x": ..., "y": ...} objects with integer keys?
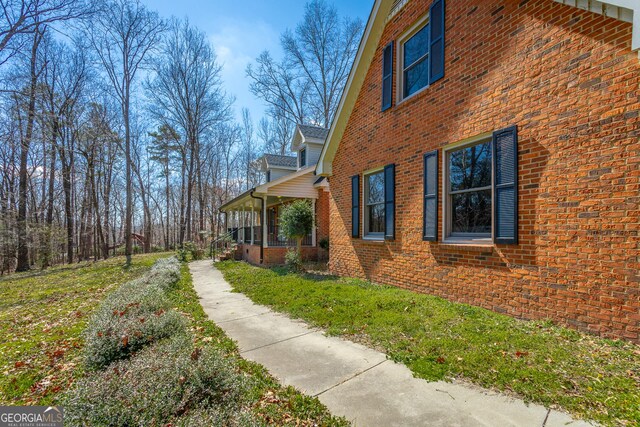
[{"x": 261, "y": 224}]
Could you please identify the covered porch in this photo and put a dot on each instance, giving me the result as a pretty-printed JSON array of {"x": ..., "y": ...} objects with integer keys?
[
  {"x": 252, "y": 219},
  {"x": 245, "y": 223}
]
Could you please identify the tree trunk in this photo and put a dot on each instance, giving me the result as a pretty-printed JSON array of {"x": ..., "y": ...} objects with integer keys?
[
  {"x": 182, "y": 220},
  {"x": 129, "y": 202},
  {"x": 190, "y": 191},
  {"x": 168, "y": 196},
  {"x": 23, "y": 248}
]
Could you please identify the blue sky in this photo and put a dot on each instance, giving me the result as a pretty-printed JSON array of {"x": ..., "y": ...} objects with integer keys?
[{"x": 240, "y": 29}]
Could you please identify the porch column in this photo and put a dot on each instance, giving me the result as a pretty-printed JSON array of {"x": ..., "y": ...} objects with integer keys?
[
  {"x": 264, "y": 222},
  {"x": 252, "y": 221},
  {"x": 236, "y": 224},
  {"x": 243, "y": 221},
  {"x": 313, "y": 228}
]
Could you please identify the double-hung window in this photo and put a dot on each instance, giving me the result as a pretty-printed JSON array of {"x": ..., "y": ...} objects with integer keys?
[
  {"x": 469, "y": 191},
  {"x": 480, "y": 183},
  {"x": 420, "y": 56},
  {"x": 374, "y": 205},
  {"x": 415, "y": 60}
]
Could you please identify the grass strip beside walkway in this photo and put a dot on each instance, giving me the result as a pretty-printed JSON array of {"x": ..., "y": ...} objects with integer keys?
[{"x": 591, "y": 378}]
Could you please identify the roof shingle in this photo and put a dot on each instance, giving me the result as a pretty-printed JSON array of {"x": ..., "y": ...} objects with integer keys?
[
  {"x": 313, "y": 132},
  {"x": 276, "y": 160}
]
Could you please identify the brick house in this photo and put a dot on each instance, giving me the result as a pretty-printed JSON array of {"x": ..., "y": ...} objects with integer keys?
[
  {"x": 488, "y": 152},
  {"x": 287, "y": 178}
]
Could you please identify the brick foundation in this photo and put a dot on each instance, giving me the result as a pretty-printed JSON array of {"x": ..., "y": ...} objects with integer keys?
[{"x": 274, "y": 255}]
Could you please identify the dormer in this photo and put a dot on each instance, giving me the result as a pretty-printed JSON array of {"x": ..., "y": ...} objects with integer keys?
[
  {"x": 275, "y": 166},
  {"x": 307, "y": 143}
]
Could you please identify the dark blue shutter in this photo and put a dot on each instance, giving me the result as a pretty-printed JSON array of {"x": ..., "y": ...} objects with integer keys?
[
  {"x": 505, "y": 185},
  {"x": 430, "y": 202},
  {"x": 387, "y": 76},
  {"x": 436, "y": 51},
  {"x": 355, "y": 206},
  {"x": 390, "y": 202}
]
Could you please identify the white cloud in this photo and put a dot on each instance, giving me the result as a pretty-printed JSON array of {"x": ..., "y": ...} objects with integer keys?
[{"x": 237, "y": 44}]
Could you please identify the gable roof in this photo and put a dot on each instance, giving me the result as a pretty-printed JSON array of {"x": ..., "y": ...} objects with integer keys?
[
  {"x": 313, "y": 132},
  {"x": 378, "y": 18},
  {"x": 364, "y": 56},
  {"x": 308, "y": 134},
  {"x": 282, "y": 162}
]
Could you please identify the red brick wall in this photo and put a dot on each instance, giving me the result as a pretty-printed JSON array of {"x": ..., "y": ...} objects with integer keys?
[
  {"x": 273, "y": 255},
  {"x": 570, "y": 82},
  {"x": 250, "y": 253}
]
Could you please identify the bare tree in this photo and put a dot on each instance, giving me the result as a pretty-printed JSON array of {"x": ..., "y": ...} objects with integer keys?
[
  {"x": 122, "y": 36},
  {"x": 322, "y": 49},
  {"x": 276, "y": 132},
  {"x": 65, "y": 79},
  {"x": 23, "y": 18},
  {"x": 282, "y": 88},
  {"x": 306, "y": 86},
  {"x": 35, "y": 70},
  {"x": 186, "y": 93},
  {"x": 249, "y": 151}
]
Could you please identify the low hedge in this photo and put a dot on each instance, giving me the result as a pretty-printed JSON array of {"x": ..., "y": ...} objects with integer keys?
[
  {"x": 171, "y": 382},
  {"x": 136, "y": 314}
]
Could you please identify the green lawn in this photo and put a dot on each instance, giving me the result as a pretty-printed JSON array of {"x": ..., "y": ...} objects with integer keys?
[
  {"x": 42, "y": 315},
  {"x": 592, "y": 378}
]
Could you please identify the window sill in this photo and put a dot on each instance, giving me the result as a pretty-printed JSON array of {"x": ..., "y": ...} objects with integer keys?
[
  {"x": 479, "y": 245},
  {"x": 373, "y": 240}
]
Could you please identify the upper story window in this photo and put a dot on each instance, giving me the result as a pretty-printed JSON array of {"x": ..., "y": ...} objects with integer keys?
[
  {"x": 302, "y": 157},
  {"x": 468, "y": 185},
  {"x": 374, "y": 206},
  {"x": 268, "y": 176},
  {"x": 420, "y": 56},
  {"x": 415, "y": 60}
]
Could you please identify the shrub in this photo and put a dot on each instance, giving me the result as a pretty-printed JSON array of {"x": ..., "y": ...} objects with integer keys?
[
  {"x": 135, "y": 314},
  {"x": 182, "y": 254},
  {"x": 324, "y": 243},
  {"x": 189, "y": 249},
  {"x": 296, "y": 221},
  {"x": 165, "y": 273},
  {"x": 293, "y": 260},
  {"x": 166, "y": 382}
]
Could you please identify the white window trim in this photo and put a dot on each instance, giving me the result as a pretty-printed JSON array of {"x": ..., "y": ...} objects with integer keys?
[
  {"x": 446, "y": 205},
  {"x": 421, "y": 22},
  {"x": 365, "y": 223}
]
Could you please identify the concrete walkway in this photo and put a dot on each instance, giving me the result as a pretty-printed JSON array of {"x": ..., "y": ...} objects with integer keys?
[{"x": 352, "y": 380}]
